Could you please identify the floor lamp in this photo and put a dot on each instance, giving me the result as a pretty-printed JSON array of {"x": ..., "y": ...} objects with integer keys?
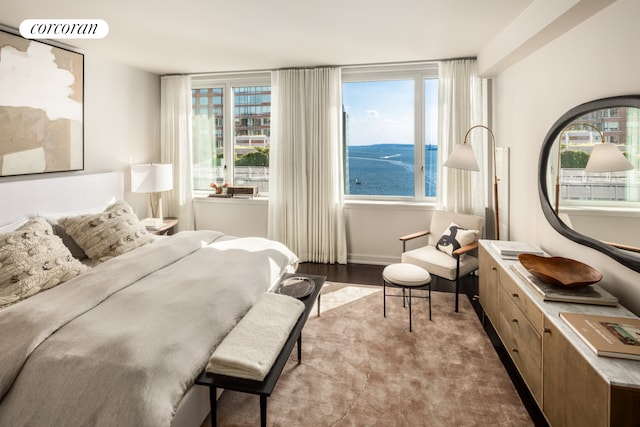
[
  {"x": 462, "y": 157},
  {"x": 604, "y": 157},
  {"x": 152, "y": 178}
]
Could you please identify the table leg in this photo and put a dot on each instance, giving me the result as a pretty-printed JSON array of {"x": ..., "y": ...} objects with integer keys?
[
  {"x": 263, "y": 410},
  {"x": 213, "y": 404}
]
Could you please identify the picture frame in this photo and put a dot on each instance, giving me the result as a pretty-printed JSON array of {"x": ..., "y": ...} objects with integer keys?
[{"x": 41, "y": 107}]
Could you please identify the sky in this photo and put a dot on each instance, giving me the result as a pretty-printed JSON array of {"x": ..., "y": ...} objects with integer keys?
[{"x": 382, "y": 112}]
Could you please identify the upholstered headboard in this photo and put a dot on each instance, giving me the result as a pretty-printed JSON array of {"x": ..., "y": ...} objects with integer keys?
[{"x": 59, "y": 194}]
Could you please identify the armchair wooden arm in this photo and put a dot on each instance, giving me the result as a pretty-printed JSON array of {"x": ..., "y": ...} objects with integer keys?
[
  {"x": 465, "y": 249},
  {"x": 412, "y": 236}
]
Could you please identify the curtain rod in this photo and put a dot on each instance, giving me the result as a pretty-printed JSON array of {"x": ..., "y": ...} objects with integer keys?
[{"x": 370, "y": 64}]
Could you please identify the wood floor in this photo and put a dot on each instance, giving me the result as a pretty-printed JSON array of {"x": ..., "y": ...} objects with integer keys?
[{"x": 372, "y": 275}]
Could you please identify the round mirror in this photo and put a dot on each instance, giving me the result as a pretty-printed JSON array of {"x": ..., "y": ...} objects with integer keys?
[{"x": 592, "y": 198}]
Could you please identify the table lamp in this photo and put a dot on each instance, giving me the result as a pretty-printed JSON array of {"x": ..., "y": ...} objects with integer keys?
[{"x": 152, "y": 178}]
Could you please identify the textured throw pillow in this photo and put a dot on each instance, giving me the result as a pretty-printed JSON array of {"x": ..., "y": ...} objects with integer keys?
[
  {"x": 108, "y": 234},
  {"x": 33, "y": 259},
  {"x": 456, "y": 237},
  {"x": 53, "y": 217}
]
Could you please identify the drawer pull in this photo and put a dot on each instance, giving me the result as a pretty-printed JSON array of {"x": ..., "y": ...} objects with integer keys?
[
  {"x": 547, "y": 331},
  {"x": 493, "y": 269},
  {"x": 515, "y": 350},
  {"x": 514, "y": 320}
]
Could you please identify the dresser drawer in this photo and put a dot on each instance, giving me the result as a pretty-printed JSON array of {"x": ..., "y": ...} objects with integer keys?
[
  {"x": 522, "y": 301},
  {"x": 522, "y": 342}
]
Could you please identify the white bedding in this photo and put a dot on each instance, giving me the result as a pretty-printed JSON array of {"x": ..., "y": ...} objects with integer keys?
[{"x": 120, "y": 344}]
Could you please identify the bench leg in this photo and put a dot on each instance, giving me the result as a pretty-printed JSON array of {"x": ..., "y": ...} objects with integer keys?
[
  {"x": 263, "y": 410},
  {"x": 213, "y": 405}
]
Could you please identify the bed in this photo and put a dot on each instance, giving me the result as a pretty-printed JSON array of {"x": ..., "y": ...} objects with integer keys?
[{"x": 121, "y": 342}]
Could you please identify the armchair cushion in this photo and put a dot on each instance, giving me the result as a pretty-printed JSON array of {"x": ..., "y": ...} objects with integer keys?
[
  {"x": 456, "y": 237},
  {"x": 439, "y": 263}
]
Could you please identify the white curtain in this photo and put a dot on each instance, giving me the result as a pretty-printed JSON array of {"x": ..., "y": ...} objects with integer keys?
[
  {"x": 175, "y": 146},
  {"x": 461, "y": 107},
  {"x": 306, "y": 173}
]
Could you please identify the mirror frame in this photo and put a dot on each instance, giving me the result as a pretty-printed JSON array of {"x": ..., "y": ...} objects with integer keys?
[{"x": 626, "y": 258}]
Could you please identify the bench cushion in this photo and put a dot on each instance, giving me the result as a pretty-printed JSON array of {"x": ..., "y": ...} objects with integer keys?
[{"x": 253, "y": 345}]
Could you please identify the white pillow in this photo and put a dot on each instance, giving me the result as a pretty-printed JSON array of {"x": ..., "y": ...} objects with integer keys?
[
  {"x": 456, "y": 237},
  {"x": 33, "y": 259},
  {"x": 105, "y": 235},
  {"x": 14, "y": 225}
]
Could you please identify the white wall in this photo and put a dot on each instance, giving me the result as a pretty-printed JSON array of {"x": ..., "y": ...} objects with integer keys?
[
  {"x": 121, "y": 120},
  {"x": 596, "y": 59},
  {"x": 373, "y": 228},
  {"x": 233, "y": 216}
]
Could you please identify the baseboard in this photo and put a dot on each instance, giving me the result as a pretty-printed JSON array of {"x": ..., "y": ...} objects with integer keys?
[{"x": 371, "y": 259}]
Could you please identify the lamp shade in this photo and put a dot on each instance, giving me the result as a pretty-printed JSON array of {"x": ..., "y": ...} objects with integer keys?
[
  {"x": 151, "y": 177},
  {"x": 462, "y": 157},
  {"x": 606, "y": 157}
]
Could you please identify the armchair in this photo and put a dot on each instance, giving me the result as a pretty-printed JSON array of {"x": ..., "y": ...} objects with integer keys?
[{"x": 441, "y": 239}]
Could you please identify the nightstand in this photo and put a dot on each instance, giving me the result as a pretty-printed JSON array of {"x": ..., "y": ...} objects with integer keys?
[{"x": 166, "y": 229}]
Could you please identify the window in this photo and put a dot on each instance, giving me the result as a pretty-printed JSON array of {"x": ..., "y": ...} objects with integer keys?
[
  {"x": 231, "y": 131},
  {"x": 390, "y": 132}
]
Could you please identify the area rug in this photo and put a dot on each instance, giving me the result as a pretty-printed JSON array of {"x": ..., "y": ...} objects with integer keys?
[{"x": 362, "y": 369}]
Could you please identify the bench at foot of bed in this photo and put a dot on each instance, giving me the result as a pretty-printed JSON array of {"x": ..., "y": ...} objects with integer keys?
[{"x": 259, "y": 372}]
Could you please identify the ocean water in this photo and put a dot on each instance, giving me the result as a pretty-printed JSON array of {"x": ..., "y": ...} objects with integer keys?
[{"x": 387, "y": 170}]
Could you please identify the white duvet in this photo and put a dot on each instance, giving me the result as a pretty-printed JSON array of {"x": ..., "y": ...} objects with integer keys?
[{"x": 120, "y": 344}]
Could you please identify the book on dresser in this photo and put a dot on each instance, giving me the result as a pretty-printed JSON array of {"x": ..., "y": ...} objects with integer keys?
[
  {"x": 589, "y": 294},
  {"x": 511, "y": 249},
  {"x": 607, "y": 335}
]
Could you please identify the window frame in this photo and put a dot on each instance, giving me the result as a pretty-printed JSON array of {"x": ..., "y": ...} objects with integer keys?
[
  {"x": 227, "y": 81},
  {"x": 418, "y": 73}
]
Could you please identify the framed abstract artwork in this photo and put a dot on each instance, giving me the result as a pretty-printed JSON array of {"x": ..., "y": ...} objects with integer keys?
[{"x": 41, "y": 107}]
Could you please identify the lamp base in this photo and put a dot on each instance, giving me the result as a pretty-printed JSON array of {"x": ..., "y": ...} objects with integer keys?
[{"x": 152, "y": 222}]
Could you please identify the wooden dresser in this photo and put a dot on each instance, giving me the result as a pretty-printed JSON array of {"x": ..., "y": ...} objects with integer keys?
[{"x": 570, "y": 383}]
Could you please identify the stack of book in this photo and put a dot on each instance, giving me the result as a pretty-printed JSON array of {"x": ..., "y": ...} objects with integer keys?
[
  {"x": 511, "y": 249},
  {"x": 607, "y": 335},
  {"x": 589, "y": 294}
]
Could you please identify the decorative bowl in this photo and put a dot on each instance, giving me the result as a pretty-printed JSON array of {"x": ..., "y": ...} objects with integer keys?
[{"x": 559, "y": 271}]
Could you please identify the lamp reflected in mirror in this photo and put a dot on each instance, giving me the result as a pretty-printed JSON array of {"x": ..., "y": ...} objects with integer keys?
[{"x": 604, "y": 157}]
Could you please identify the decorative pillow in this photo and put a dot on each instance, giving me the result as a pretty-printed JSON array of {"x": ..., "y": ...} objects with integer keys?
[
  {"x": 456, "y": 237},
  {"x": 33, "y": 259},
  {"x": 53, "y": 217},
  {"x": 108, "y": 234}
]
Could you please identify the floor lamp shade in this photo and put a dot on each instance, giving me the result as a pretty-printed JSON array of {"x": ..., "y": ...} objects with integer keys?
[
  {"x": 604, "y": 157},
  {"x": 462, "y": 157},
  {"x": 607, "y": 158}
]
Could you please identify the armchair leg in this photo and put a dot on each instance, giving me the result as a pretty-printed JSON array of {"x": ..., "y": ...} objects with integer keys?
[{"x": 457, "y": 292}]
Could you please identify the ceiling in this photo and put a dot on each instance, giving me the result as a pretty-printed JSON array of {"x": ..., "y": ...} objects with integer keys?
[{"x": 195, "y": 36}]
